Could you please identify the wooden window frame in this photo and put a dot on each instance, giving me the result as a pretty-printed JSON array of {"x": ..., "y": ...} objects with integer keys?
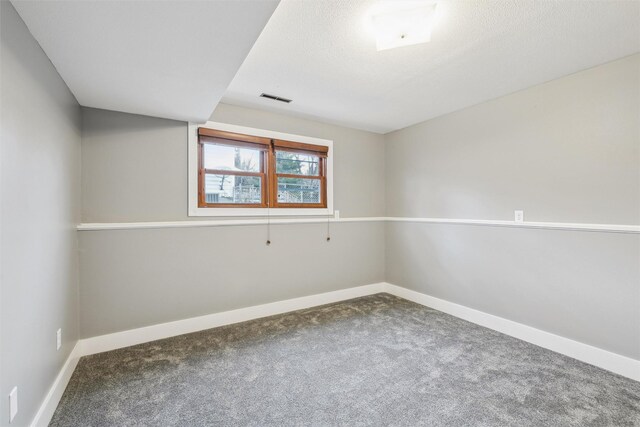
[
  {"x": 267, "y": 173},
  {"x": 319, "y": 151}
]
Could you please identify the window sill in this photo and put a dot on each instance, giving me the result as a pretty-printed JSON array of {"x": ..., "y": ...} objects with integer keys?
[{"x": 260, "y": 212}]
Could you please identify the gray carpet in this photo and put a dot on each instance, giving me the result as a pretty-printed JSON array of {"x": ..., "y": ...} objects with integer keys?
[{"x": 377, "y": 360}]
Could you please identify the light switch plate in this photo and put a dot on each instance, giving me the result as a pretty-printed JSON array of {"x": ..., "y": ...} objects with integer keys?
[{"x": 58, "y": 339}]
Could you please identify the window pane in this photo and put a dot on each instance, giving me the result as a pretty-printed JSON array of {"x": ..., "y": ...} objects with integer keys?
[
  {"x": 232, "y": 189},
  {"x": 231, "y": 158},
  {"x": 298, "y": 190},
  {"x": 297, "y": 164}
]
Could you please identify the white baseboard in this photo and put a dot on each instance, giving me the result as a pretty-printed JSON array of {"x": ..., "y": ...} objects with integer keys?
[
  {"x": 613, "y": 362},
  {"x": 595, "y": 356},
  {"x": 51, "y": 400},
  {"x": 131, "y": 337},
  {"x": 586, "y": 353},
  {"x": 166, "y": 330}
]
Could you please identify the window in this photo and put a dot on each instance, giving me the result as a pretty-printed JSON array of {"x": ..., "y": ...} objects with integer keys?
[
  {"x": 299, "y": 175},
  {"x": 232, "y": 169},
  {"x": 253, "y": 173}
]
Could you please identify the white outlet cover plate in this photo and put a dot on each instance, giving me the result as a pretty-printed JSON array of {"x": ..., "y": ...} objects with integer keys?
[
  {"x": 58, "y": 339},
  {"x": 13, "y": 403},
  {"x": 519, "y": 216}
]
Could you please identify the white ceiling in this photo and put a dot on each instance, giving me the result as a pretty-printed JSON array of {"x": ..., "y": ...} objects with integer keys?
[
  {"x": 318, "y": 54},
  {"x": 171, "y": 59}
]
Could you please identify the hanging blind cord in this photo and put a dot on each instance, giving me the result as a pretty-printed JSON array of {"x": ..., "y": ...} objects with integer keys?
[
  {"x": 268, "y": 226},
  {"x": 269, "y": 212},
  {"x": 328, "y": 228}
]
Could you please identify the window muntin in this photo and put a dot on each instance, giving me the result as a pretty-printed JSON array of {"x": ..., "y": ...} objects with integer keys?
[{"x": 237, "y": 170}]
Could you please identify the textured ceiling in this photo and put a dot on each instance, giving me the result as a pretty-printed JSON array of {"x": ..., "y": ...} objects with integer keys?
[
  {"x": 319, "y": 54},
  {"x": 171, "y": 59}
]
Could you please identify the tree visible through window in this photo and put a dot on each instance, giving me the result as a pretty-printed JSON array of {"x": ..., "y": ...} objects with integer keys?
[{"x": 238, "y": 170}]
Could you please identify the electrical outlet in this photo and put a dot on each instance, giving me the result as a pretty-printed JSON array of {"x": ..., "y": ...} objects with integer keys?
[
  {"x": 519, "y": 216},
  {"x": 13, "y": 403},
  {"x": 58, "y": 339}
]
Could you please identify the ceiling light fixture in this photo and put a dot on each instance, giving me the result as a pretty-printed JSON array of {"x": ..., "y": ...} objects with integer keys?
[{"x": 401, "y": 22}]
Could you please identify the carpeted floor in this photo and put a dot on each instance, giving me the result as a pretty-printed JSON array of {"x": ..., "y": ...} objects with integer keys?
[{"x": 377, "y": 360}]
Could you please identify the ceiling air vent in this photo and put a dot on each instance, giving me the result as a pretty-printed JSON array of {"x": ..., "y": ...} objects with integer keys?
[{"x": 275, "y": 98}]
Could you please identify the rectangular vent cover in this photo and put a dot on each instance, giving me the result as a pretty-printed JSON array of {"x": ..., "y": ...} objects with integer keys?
[{"x": 275, "y": 98}]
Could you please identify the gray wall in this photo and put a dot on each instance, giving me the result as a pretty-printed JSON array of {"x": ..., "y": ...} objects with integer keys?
[
  {"x": 134, "y": 278},
  {"x": 40, "y": 176},
  {"x": 564, "y": 151},
  {"x": 134, "y": 168}
]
